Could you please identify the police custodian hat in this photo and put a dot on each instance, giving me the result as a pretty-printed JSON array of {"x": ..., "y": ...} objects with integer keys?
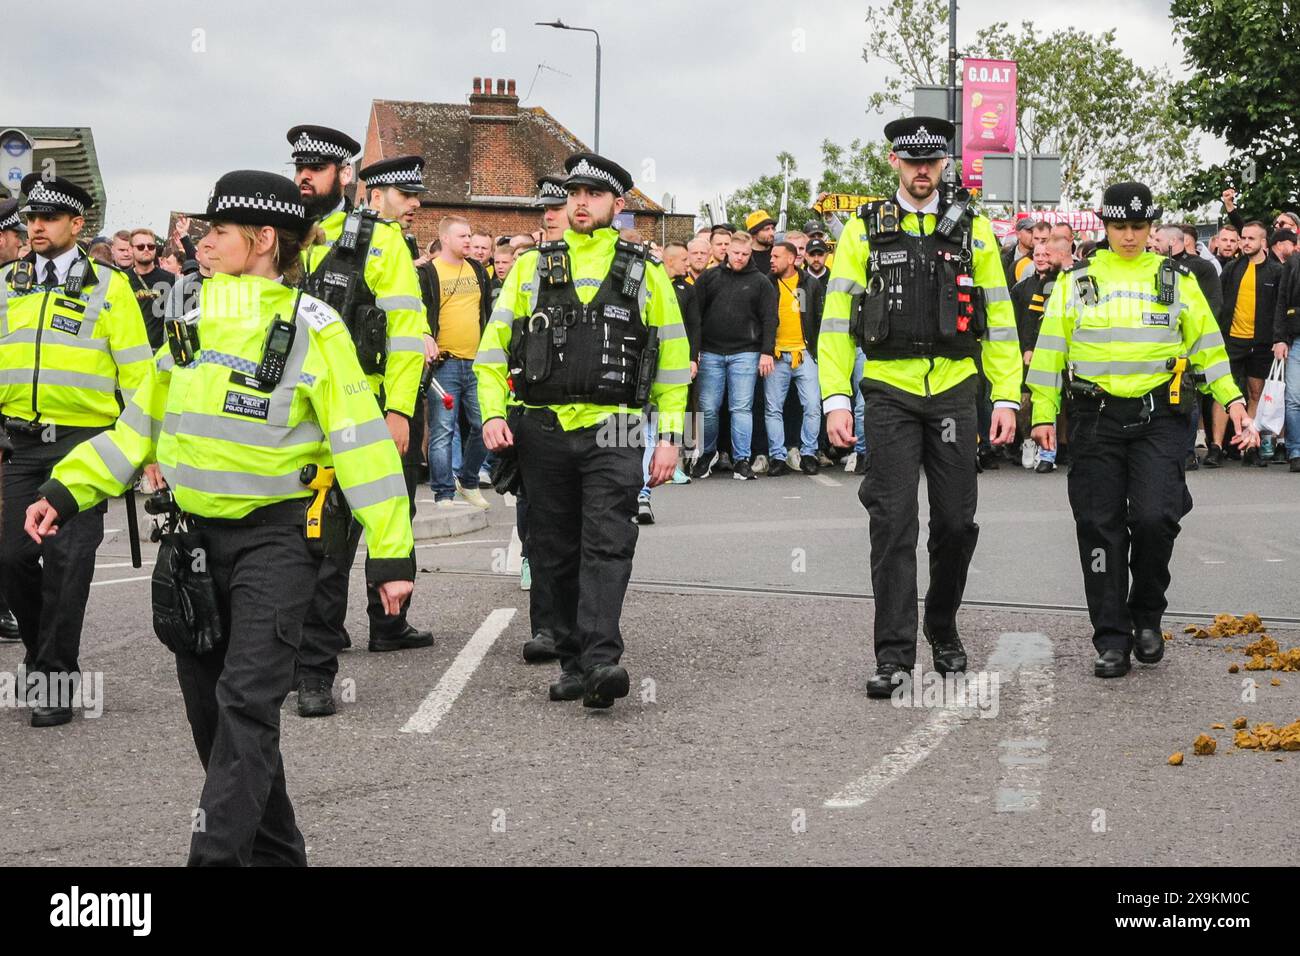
[
  {"x": 54, "y": 195},
  {"x": 316, "y": 145},
  {"x": 401, "y": 172},
  {"x": 1128, "y": 202},
  {"x": 588, "y": 169},
  {"x": 551, "y": 191},
  {"x": 251, "y": 197},
  {"x": 9, "y": 216},
  {"x": 920, "y": 137}
]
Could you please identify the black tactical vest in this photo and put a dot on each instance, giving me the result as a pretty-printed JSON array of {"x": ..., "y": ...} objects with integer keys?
[
  {"x": 340, "y": 282},
  {"x": 920, "y": 300},
  {"x": 564, "y": 351}
]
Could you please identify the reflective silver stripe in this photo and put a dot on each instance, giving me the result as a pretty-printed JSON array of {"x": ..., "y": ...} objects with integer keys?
[
  {"x": 533, "y": 288},
  {"x": 1211, "y": 339},
  {"x": 491, "y": 357},
  {"x": 4, "y": 301},
  {"x": 138, "y": 420},
  {"x": 1217, "y": 371},
  {"x": 1120, "y": 334},
  {"x": 360, "y": 435},
  {"x": 676, "y": 330},
  {"x": 590, "y": 283},
  {"x": 28, "y": 337},
  {"x": 1128, "y": 294},
  {"x": 845, "y": 285},
  {"x": 406, "y": 343},
  {"x": 93, "y": 383},
  {"x": 241, "y": 431},
  {"x": 1095, "y": 369},
  {"x": 376, "y": 492},
  {"x": 1037, "y": 376},
  {"x": 94, "y": 305},
  {"x": 119, "y": 466},
  {"x": 675, "y": 376},
  {"x": 239, "y": 483},
  {"x": 225, "y": 360},
  {"x": 137, "y": 353},
  {"x": 165, "y": 362},
  {"x": 504, "y": 316},
  {"x": 835, "y": 325},
  {"x": 996, "y": 293},
  {"x": 391, "y": 303},
  {"x": 1001, "y": 333},
  {"x": 1056, "y": 342},
  {"x": 282, "y": 397}
]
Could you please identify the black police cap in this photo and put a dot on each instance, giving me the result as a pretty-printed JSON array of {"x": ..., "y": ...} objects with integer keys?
[
  {"x": 251, "y": 197},
  {"x": 9, "y": 218},
  {"x": 314, "y": 145},
  {"x": 588, "y": 169},
  {"x": 551, "y": 191},
  {"x": 920, "y": 137},
  {"x": 1128, "y": 202},
  {"x": 401, "y": 172},
  {"x": 54, "y": 195}
]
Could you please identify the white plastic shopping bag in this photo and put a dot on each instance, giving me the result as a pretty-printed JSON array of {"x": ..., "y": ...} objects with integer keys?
[{"x": 1272, "y": 402}]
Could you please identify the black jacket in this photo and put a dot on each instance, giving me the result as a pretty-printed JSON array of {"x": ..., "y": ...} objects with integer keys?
[
  {"x": 431, "y": 293},
  {"x": 811, "y": 296},
  {"x": 1206, "y": 277},
  {"x": 737, "y": 311},
  {"x": 1268, "y": 276},
  {"x": 1286, "y": 320},
  {"x": 1029, "y": 311},
  {"x": 689, "y": 304},
  {"x": 151, "y": 293}
]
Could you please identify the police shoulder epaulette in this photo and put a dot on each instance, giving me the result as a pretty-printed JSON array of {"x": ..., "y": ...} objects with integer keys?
[
  {"x": 316, "y": 313},
  {"x": 867, "y": 207},
  {"x": 1182, "y": 268},
  {"x": 637, "y": 248},
  {"x": 550, "y": 245},
  {"x": 653, "y": 259},
  {"x": 1081, "y": 264}
]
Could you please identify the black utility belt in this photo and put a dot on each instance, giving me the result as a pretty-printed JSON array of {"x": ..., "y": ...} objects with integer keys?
[
  {"x": 291, "y": 513},
  {"x": 21, "y": 426},
  {"x": 1087, "y": 396}
]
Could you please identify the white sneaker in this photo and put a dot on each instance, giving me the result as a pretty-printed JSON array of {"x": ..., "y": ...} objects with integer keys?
[
  {"x": 850, "y": 461},
  {"x": 792, "y": 458},
  {"x": 472, "y": 497},
  {"x": 448, "y": 504},
  {"x": 1028, "y": 453},
  {"x": 759, "y": 465}
]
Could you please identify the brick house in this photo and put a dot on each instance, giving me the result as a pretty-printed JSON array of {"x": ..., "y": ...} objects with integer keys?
[{"x": 483, "y": 159}]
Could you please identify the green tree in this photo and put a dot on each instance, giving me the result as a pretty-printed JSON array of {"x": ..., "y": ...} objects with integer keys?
[
  {"x": 860, "y": 169},
  {"x": 765, "y": 193},
  {"x": 911, "y": 38},
  {"x": 1245, "y": 60}
]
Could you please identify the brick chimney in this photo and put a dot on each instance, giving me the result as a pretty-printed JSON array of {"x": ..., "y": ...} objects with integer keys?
[{"x": 497, "y": 163}]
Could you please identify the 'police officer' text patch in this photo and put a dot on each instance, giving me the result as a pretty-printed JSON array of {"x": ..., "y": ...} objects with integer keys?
[
  {"x": 65, "y": 324},
  {"x": 247, "y": 406}
]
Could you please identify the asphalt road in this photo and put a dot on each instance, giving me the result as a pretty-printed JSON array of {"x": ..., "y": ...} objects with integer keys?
[{"x": 748, "y": 737}]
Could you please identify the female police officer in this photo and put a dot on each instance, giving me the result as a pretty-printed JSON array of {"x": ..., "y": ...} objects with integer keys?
[
  {"x": 1125, "y": 324},
  {"x": 258, "y": 390}
]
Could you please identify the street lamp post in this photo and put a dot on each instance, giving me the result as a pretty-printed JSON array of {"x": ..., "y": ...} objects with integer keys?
[{"x": 559, "y": 24}]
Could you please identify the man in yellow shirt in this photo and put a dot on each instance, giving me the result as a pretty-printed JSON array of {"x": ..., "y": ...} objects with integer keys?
[{"x": 799, "y": 307}]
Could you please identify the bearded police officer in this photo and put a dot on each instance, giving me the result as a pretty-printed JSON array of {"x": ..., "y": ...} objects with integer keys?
[
  {"x": 588, "y": 330},
  {"x": 71, "y": 337},
  {"x": 366, "y": 273},
  {"x": 918, "y": 285},
  {"x": 1121, "y": 329}
]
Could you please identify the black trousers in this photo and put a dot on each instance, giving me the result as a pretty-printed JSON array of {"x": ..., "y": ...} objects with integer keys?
[
  {"x": 46, "y": 585},
  {"x": 906, "y": 433},
  {"x": 1128, "y": 492},
  {"x": 324, "y": 632},
  {"x": 581, "y": 536},
  {"x": 540, "y": 606},
  {"x": 263, "y": 576}
]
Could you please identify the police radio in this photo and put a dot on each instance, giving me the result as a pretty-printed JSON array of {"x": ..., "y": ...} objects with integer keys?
[
  {"x": 956, "y": 198},
  {"x": 1165, "y": 287},
  {"x": 275, "y": 354}
]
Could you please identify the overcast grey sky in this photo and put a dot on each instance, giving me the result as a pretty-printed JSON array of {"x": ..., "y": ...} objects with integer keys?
[{"x": 708, "y": 91}]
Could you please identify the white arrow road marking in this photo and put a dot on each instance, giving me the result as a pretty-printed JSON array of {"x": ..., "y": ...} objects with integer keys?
[
  {"x": 1024, "y": 755},
  {"x": 453, "y": 681}
]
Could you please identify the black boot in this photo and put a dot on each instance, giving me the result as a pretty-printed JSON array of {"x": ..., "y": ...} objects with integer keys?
[
  {"x": 8, "y": 625},
  {"x": 1149, "y": 646},
  {"x": 949, "y": 655},
  {"x": 568, "y": 687},
  {"x": 605, "y": 684},
  {"x": 881, "y": 684},
  {"x": 409, "y": 638},
  {"x": 315, "y": 697},
  {"x": 541, "y": 648},
  {"x": 1111, "y": 663}
]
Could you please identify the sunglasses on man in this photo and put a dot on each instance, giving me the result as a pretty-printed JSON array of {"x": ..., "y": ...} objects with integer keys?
[{"x": 146, "y": 245}]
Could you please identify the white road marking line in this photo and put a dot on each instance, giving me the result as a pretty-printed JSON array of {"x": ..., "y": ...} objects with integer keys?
[
  {"x": 435, "y": 707},
  {"x": 457, "y": 544},
  {"x": 1204, "y": 561},
  {"x": 122, "y": 564},
  {"x": 1024, "y": 755},
  {"x": 916, "y": 747},
  {"x": 791, "y": 497},
  {"x": 515, "y": 553},
  {"x": 95, "y": 584},
  {"x": 825, "y": 480},
  {"x": 1275, "y": 560}
]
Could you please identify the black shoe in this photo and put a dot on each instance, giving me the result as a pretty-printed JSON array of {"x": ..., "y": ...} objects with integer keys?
[
  {"x": 315, "y": 697},
  {"x": 1258, "y": 459},
  {"x": 568, "y": 687},
  {"x": 1295, "y": 465},
  {"x": 860, "y": 466},
  {"x": 779, "y": 467},
  {"x": 1213, "y": 457},
  {"x": 703, "y": 466},
  {"x": 9, "y": 627},
  {"x": 605, "y": 684},
  {"x": 742, "y": 471},
  {"x": 541, "y": 648},
  {"x": 1279, "y": 453},
  {"x": 1044, "y": 467},
  {"x": 987, "y": 461},
  {"x": 51, "y": 716},
  {"x": 1111, "y": 664},
  {"x": 1232, "y": 453},
  {"x": 949, "y": 655},
  {"x": 1149, "y": 646},
  {"x": 881, "y": 684},
  {"x": 409, "y": 638},
  {"x": 809, "y": 465},
  {"x": 1193, "y": 463},
  {"x": 644, "y": 513}
]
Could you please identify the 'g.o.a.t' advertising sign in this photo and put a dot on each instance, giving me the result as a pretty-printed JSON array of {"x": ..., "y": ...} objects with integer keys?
[{"x": 988, "y": 114}]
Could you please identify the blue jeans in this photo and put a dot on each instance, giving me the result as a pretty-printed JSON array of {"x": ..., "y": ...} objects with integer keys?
[
  {"x": 859, "y": 404},
  {"x": 1292, "y": 426},
  {"x": 737, "y": 374},
  {"x": 456, "y": 376},
  {"x": 775, "y": 387}
]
